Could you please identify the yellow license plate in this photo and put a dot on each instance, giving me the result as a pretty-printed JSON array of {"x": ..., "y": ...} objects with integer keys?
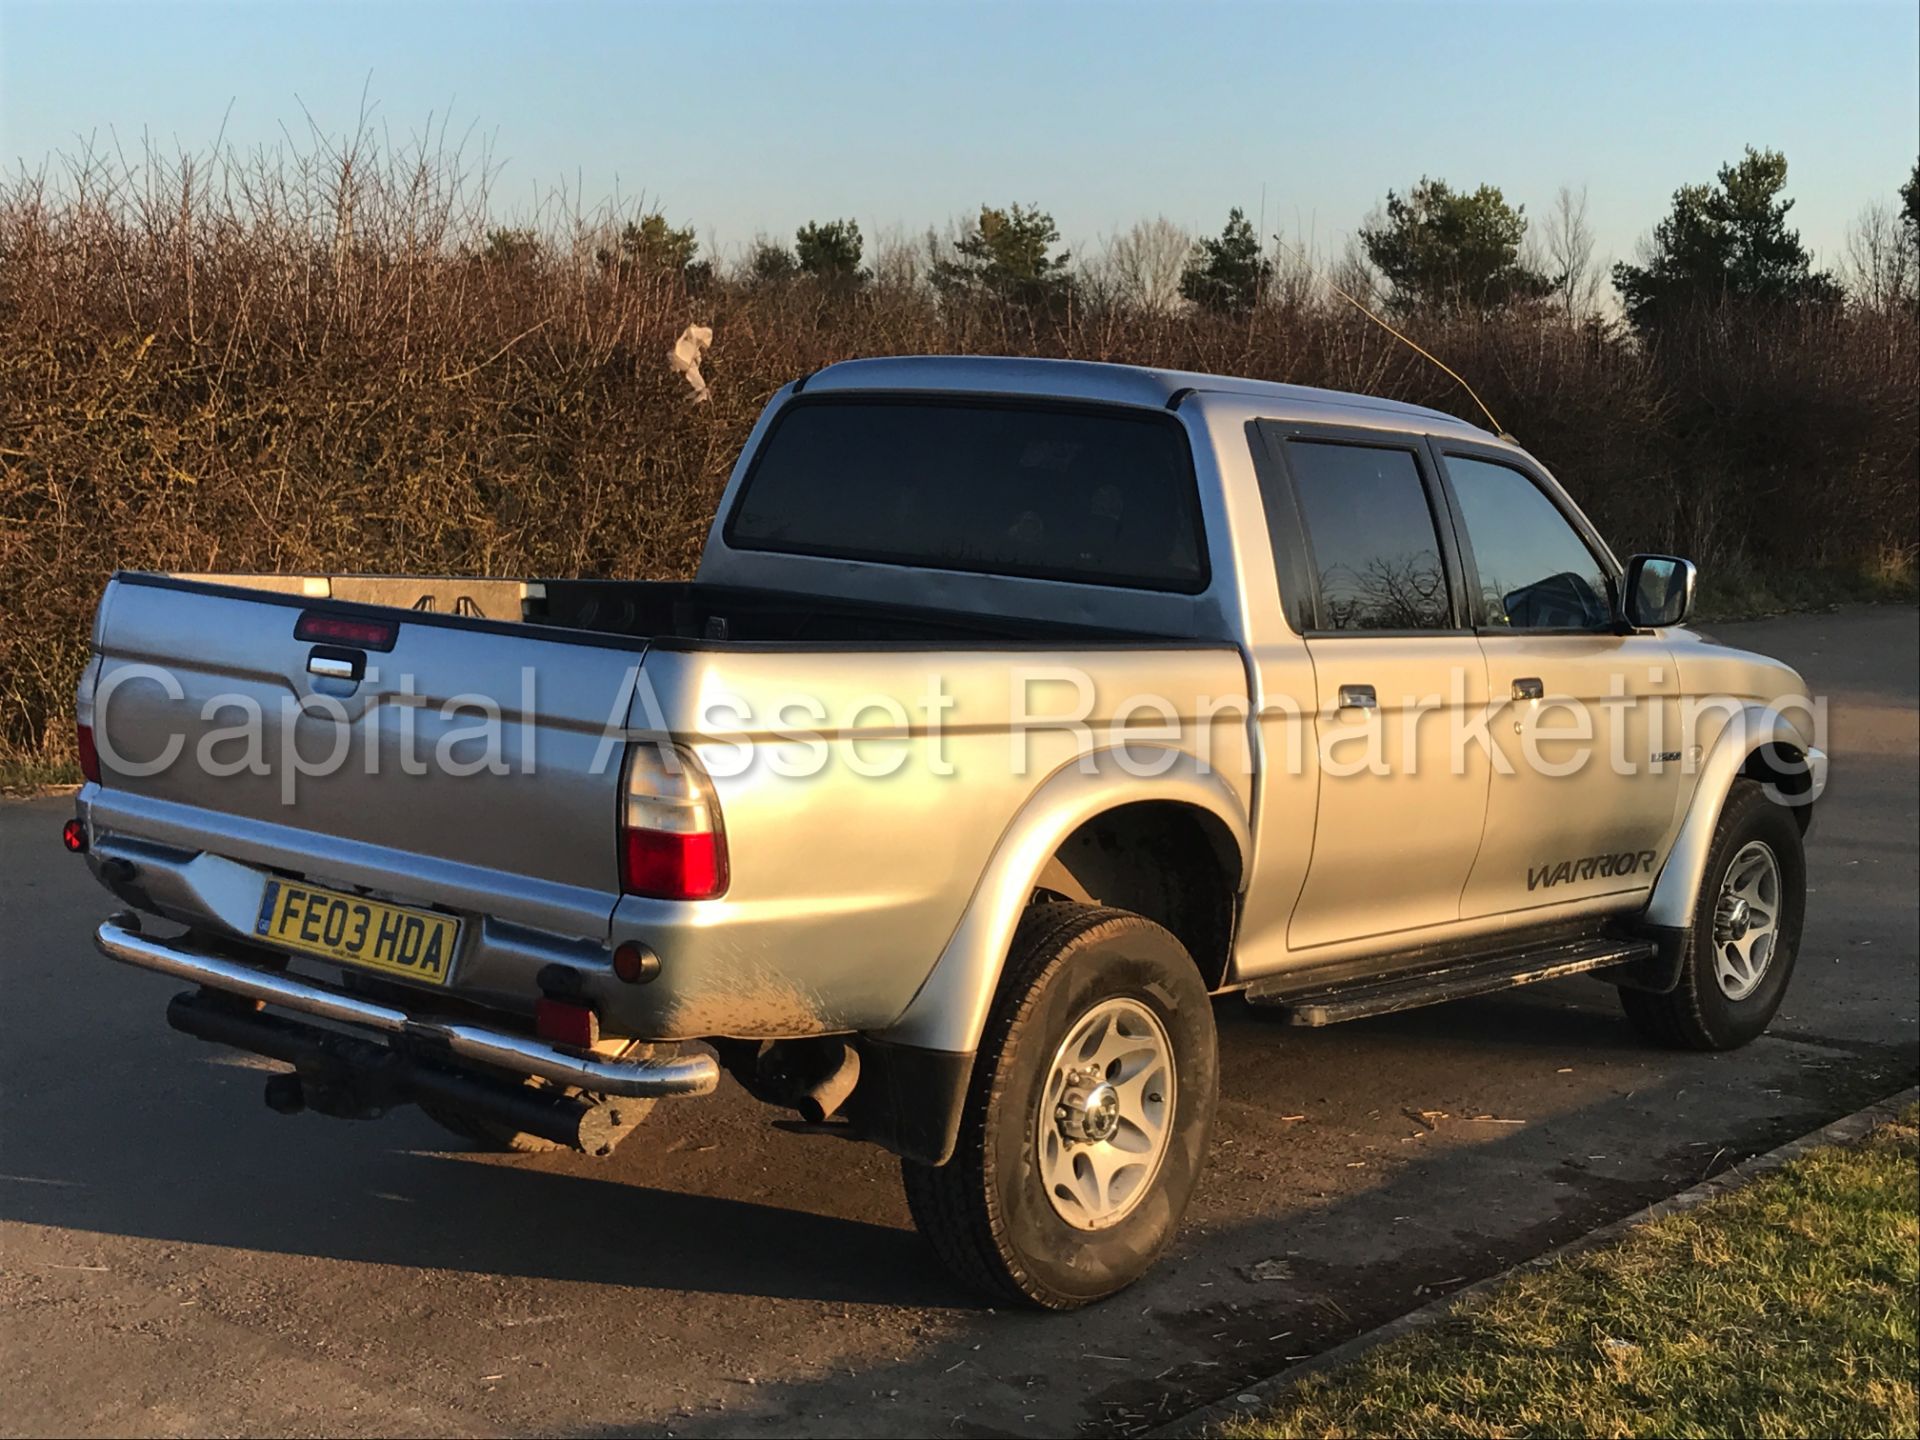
[{"x": 396, "y": 939}]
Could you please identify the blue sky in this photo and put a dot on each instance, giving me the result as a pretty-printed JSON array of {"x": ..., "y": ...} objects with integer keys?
[{"x": 744, "y": 117}]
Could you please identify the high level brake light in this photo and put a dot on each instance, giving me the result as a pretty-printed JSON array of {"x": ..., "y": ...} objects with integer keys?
[
  {"x": 352, "y": 630},
  {"x": 672, "y": 845}
]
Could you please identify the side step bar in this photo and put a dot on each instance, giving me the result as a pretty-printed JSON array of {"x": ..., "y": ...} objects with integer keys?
[
  {"x": 676, "y": 1075},
  {"x": 1308, "y": 1003}
]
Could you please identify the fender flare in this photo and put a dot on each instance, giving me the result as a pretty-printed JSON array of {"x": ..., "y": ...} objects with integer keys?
[
  {"x": 1748, "y": 730},
  {"x": 949, "y": 1011}
]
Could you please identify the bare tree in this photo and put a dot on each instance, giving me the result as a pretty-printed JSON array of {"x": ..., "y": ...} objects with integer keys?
[
  {"x": 1880, "y": 267},
  {"x": 1295, "y": 283},
  {"x": 1568, "y": 241},
  {"x": 1354, "y": 272},
  {"x": 900, "y": 260},
  {"x": 1142, "y": 267}
]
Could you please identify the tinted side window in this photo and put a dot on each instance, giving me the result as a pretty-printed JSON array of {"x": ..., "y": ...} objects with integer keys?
[
  {"x": 1371, "y": 537},
  {"x": 1535, "y": 572}
]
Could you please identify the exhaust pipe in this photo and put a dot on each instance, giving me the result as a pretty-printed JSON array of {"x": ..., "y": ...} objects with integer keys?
[{"x": 819, "y": 1100}]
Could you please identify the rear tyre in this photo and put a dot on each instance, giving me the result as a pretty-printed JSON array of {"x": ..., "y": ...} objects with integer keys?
[
  {"x": 490, "y": 1136},
  {"x": 1745, "y": 936},
  {"x": 1086, "y": 1121}
]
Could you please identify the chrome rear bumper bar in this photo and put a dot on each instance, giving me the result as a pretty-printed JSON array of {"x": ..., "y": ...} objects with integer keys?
[{"x": 678, "y": 1075}]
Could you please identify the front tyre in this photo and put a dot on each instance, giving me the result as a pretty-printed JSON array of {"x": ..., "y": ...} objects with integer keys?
[
  {"x": 1087, "y": 1117},
  {"x": 1746, "y": 932}
]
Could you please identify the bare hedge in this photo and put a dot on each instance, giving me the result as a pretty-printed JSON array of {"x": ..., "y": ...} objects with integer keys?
[{"x": 308, "y": 366}]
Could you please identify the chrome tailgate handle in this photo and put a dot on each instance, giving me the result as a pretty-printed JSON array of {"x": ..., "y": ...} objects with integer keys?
[
  {"x": 331, "y": 667},
  {"x": 1528, "y": 688}
]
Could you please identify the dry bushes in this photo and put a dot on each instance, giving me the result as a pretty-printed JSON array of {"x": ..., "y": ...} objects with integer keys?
[{"x": 331, "y": 362}]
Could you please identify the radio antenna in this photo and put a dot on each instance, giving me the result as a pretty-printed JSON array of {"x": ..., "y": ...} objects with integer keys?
[{"x": 1418, "y": 349}]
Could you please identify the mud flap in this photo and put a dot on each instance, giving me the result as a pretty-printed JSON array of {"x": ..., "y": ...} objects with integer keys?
[
  {"x": 909, "y": 1099},
  {"x": 1659, "y": 973}
]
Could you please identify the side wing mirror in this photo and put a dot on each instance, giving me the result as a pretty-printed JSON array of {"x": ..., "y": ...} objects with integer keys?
[{"x": 1658, "y": 591}]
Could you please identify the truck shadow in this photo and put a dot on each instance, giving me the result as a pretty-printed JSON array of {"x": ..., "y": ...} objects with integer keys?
[
  {"x": 197, "y": 1164},
  {"x": 191, "y": 1155}
]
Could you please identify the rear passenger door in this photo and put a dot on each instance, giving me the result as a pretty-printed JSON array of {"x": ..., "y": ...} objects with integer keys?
[
  {"x": 1371, "y": 579},
  {"x": 1566, "y": 681}
]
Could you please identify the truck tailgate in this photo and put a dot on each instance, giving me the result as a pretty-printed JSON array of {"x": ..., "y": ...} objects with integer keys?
[{"x": 406, "y": 770}]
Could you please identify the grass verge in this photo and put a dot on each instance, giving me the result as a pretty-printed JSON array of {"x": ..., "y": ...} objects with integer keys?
[
  {"x": 1786, "y": 1308},
  {"x": 30, "y": 777}
]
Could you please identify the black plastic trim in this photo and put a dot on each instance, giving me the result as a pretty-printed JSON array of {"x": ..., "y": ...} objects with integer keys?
[
  {"x": 401, "y": 618},
  {"x": 1047, "y": 634}
]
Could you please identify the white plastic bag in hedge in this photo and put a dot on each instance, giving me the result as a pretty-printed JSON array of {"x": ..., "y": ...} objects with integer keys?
[{"x": 685, "y": 358}]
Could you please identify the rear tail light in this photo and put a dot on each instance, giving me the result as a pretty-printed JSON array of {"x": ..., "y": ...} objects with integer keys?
[
  {"x": 672, "y": 846},
  {"x": 89, "y": 756}
]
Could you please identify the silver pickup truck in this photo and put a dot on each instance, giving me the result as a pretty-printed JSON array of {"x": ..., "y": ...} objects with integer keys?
[{"x": 1017, "y": 708}]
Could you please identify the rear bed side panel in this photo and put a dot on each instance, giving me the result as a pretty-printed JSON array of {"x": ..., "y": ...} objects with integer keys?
[
  {"x": 521, "y": 826},
  {"x": 846, "y": 887}
]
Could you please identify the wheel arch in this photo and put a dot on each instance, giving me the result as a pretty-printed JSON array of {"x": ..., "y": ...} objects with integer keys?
[
  {"x": 1757, "y": 743},
  {"x": 1086, "y": 829}
]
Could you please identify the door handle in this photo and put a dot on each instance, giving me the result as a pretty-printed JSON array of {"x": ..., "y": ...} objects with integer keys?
[
  {"x": 1358, "y": 697},
  {"x": 1528, "y": 688}
]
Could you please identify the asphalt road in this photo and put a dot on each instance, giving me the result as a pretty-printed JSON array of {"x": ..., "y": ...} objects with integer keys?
[{"x": 174, "y": 1258}]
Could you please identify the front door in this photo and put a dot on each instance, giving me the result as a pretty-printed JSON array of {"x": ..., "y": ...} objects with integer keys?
[{"x": 1586, "y": 723}]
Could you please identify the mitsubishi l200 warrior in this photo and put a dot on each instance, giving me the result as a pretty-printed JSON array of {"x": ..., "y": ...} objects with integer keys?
[{"x": 1016, "y": 709}]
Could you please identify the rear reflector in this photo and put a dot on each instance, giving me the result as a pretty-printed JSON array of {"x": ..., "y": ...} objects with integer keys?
[
  {"x": 89, "y": 756},
  {"x": 73, "y": 835},
  {"x": 566, "y": 1024},
  {"x": 635, "y": 963},
  {"x": 346, "y": 630}
]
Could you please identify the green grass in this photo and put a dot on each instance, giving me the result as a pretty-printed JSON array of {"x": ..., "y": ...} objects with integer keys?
[
  {"x": 1786, "y": 1308},
  {"x": 28, "y": 777}
]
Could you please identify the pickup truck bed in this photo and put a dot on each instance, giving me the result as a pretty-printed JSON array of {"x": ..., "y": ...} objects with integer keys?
[{"x": 517, "y": 829}]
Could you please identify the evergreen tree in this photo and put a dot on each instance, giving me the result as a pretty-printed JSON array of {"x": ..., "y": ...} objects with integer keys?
[
  {"x": 1007, "y": 255},
  {"x": 1722, "y": 243},
  {"x": 1454, "y": 249},
  {"x": 1910, "y": 207},
  {"x": 651, "y": 245},
  {"x": 771, "y": 264},
  {"x": 830, "y": 251},
  {"x": 1227, "y": 275}
]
